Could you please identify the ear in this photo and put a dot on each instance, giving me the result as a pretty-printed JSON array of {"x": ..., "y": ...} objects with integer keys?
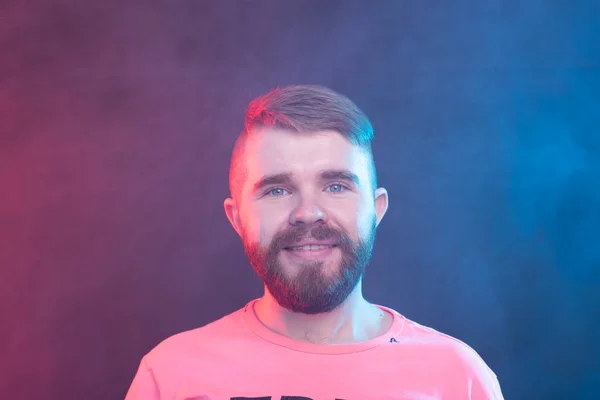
[
  {"x": 381, "y": 204},
  {"x": 233, "y": 215}
]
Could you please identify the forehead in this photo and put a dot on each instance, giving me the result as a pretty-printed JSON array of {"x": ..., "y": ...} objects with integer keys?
[{"x": 304, "y": 154}]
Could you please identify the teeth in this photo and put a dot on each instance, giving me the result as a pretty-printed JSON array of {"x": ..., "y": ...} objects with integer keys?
[{"x": 311, "y": 247}]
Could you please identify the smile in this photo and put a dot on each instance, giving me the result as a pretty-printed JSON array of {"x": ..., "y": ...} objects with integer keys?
[
  {"x": 311, "y": 247},
  {"x": 310, "y": 252}
]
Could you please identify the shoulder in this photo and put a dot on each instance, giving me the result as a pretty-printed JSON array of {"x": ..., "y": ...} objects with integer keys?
[
  {"x": 439, "y": 345},
  {"x": 197, "y": 342},
  {"x": 451, "y": 354}
]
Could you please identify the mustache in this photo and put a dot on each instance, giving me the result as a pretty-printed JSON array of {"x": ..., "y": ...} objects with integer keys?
[{"x": 295, "y": 234}]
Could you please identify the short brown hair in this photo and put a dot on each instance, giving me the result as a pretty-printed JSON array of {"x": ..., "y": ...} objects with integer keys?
[{"x": 302, "y": 108}]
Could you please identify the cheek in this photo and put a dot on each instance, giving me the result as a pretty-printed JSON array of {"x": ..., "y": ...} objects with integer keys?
[
  {"x": 262, "y": 223},
  {"x": 250, "y": 224},
  {"x": 356, "y": 218},
  {"x": 366, "y": 224},
  {"x": 347, "y": 216},
  {"x": 368, "y": 218}
]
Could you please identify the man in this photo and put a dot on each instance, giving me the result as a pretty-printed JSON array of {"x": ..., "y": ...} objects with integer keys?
[{"x": 306, "y": 204}]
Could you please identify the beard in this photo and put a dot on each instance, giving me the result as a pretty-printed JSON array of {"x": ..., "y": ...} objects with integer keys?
[{"x": 312, "y": 290}]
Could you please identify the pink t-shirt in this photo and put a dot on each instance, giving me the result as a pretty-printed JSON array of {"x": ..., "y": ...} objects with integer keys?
[{"x": 237, "y": 357}]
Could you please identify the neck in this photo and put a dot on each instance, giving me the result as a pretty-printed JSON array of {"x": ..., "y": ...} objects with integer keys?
[{"x": 355, "y": 320}]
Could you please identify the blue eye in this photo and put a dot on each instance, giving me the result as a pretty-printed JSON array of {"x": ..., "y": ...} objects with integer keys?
[
  {"x": 336, "y": 188},
  {"x": 276, "y": 192}
]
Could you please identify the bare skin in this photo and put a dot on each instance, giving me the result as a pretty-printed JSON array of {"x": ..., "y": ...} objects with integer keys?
[
  {"x": 308, "y": 196},
  {"x": 355, "y": 321}
]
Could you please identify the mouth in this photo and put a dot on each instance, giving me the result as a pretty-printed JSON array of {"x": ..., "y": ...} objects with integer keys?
[
  {"x": 310, "y": 252},
  {"x": 310, "y": 247}
]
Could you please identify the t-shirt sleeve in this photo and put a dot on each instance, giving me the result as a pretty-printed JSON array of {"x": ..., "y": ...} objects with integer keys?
[
  {"x": 144, "y": 385},
  {"x": 483, "y": 382}
]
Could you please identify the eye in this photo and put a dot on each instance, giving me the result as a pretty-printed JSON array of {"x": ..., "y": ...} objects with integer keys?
[
  {"x": 336, "y": 188},
  {"x": 276, "y": 192}
]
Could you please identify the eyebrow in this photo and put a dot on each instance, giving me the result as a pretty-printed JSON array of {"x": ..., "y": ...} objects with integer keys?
[
  {"x": 340, "y": 174},
  {"x": 268, "y": 180},
  {"x": 286, "y": 178}
]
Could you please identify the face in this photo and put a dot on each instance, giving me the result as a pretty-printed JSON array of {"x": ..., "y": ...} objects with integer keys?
[{"x": 307, "y": 215}]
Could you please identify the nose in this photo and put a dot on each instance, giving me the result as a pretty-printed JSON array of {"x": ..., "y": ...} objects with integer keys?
[{"x": 308, "y": 212}]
